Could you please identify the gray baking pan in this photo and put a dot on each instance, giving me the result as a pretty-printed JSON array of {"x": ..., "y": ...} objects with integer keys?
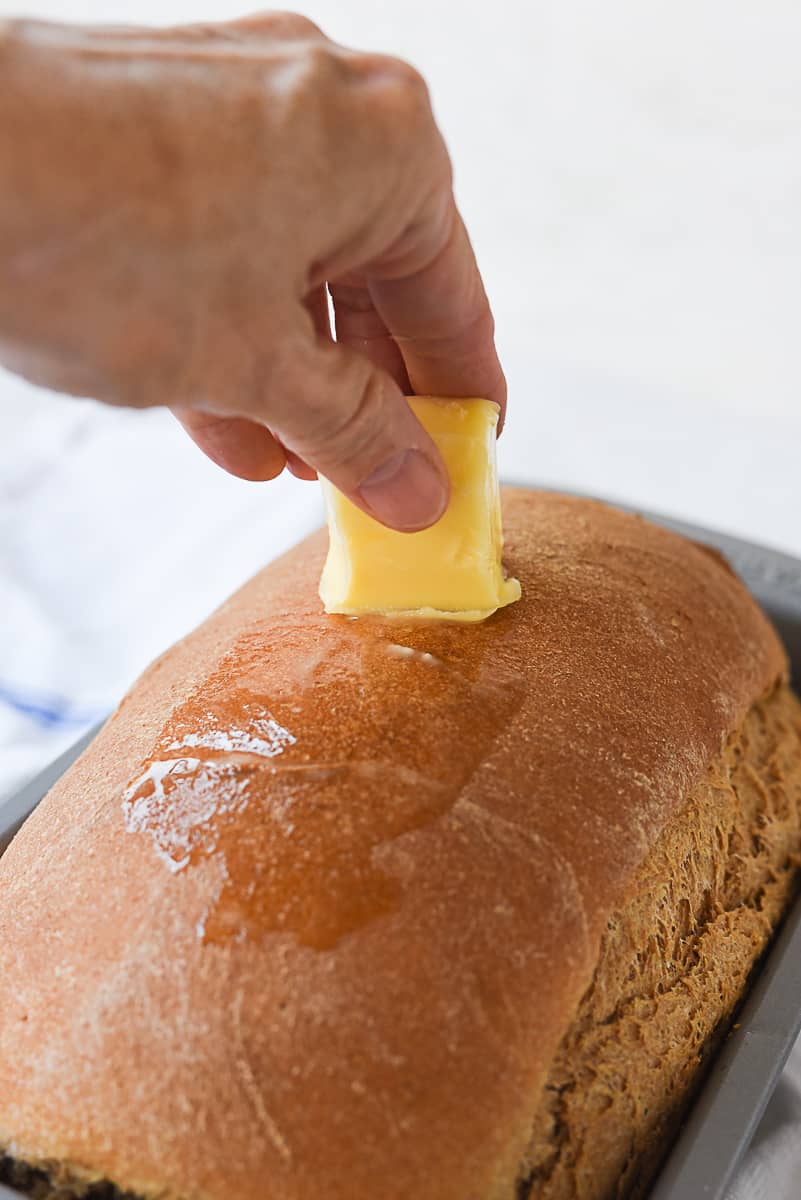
[{"x": 742, "y": 1077}]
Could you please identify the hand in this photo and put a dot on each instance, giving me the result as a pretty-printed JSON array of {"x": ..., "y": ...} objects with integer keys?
[{"x": 173, "y": 205}]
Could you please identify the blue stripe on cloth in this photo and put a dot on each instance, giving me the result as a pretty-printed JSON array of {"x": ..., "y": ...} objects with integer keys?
[{"x": 51, "y": 712}]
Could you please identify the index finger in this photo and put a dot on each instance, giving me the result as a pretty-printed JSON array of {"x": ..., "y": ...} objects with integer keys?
[{"x": 441, "y": 320}]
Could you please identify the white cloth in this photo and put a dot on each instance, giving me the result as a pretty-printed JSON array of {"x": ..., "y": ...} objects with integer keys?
[{"x": 771, "y": 1169}]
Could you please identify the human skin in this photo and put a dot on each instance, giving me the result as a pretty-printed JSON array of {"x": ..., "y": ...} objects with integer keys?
[{"x": 173, "y": 206}]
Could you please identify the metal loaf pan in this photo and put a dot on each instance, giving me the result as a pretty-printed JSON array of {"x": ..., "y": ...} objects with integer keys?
[{"x": 723, "y": 1119}]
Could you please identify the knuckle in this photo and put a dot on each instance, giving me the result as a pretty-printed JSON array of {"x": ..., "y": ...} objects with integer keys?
[
  {"x": 288, "y": 25},
  {"x": 399, "y": 80},
  {"x": 321, "y": 66},
  {"x": 399, "y": 106},
  {"x": 408, "y": 92}
]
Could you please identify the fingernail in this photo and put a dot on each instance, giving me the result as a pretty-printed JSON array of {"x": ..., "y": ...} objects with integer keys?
[{"x": 407, "y": 492}]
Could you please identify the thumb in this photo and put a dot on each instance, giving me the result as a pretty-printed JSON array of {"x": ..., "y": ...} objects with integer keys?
[{"x": 349, "y": 420}]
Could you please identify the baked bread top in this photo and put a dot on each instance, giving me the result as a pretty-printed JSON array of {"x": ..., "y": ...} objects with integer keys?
[{"x": 310, "y": 917}]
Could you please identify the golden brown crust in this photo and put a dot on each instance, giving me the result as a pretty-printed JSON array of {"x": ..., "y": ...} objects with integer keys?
[
  {"x": 673, "y": 962},
  {"x": 439, "y": 822}
]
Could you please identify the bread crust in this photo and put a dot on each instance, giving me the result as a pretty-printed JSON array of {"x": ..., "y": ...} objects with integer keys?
[
  {"x": 339, "y": 963},
  {"x": 673, "y": 964}
]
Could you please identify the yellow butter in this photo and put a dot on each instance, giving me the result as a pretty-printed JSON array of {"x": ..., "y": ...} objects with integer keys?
[{"x": 452, "y": 570}]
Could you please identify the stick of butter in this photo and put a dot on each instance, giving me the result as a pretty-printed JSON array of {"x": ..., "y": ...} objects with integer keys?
[{"x": 452, "y": 570}]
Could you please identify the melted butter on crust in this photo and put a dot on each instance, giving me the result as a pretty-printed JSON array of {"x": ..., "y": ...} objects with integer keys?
[{"x": 303, "y": 862}]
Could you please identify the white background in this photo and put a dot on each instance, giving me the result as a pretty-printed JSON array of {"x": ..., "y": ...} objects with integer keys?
[{"x": 631, "y": 176}]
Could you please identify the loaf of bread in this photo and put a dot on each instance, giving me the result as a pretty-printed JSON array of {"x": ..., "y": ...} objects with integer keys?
[{"x": 342, "y": 909}]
